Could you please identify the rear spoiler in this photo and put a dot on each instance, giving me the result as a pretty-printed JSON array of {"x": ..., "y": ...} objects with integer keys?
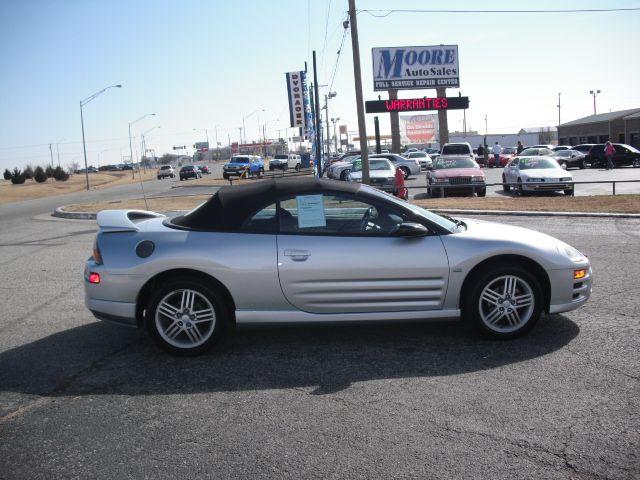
[{"x": 123, "y": 220}]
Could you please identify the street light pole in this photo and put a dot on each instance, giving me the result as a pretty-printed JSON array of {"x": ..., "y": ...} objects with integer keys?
[
  {"x": 84, "y": 146},
  {"x": 133, "y": 175},
  {"x": 559, "y": 93},
  {"x": 244, "y": 132},
  {"x": 594, "y": 93}
]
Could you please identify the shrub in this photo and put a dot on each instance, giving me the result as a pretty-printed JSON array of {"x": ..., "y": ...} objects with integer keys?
[
  {"x": 7, "y": 174},
  {"x": 28, "y": 172},
  {"x": 17, "y": 177},
  {"x": 39, "y": 175},
  {"x": 49, "y": 171},
  {"x": 60, "y": 174}
]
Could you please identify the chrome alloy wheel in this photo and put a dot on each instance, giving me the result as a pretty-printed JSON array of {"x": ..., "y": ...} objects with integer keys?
[
  {"x": 185, "y": 318},
  {"x": 506, "y": 304}
]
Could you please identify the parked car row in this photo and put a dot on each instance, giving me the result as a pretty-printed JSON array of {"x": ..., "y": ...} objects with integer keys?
[{"x": 186, "y": 172}]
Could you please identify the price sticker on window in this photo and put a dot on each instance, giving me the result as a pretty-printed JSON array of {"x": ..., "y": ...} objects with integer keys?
[{"x": 311, "y": 211}]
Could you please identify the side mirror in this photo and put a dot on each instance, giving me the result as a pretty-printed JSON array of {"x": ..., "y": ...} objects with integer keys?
[{"x": 410, "y": 229}]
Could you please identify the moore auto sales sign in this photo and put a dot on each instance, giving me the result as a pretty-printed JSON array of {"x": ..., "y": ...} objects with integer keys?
[{"x": 402, "y": 68}]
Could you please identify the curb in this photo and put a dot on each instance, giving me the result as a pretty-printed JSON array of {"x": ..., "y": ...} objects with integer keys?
[
  {"x": 522, "y": 213},
  {"x": 60, "y": 213}
]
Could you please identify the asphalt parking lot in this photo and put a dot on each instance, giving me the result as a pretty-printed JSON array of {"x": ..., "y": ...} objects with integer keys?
[
  {"x": 494, "y": 175},
  {"x": 84, "y": 399}
]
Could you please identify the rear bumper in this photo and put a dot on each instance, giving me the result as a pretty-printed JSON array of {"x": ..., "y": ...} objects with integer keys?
[{"x": 116, "y": 312}]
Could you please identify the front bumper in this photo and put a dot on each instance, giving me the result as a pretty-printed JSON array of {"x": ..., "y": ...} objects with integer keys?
[
  {"x": 567, "y": 293},
  {"x": 548, "y": 187}
]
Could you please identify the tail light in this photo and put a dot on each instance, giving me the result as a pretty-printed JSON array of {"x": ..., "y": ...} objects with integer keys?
[
  {"x": 97, "y": 256},
  {"x": 94, "y": 277}
]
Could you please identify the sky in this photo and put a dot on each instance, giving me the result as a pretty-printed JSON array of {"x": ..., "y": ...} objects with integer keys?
[{"x": 207, "y": 64}]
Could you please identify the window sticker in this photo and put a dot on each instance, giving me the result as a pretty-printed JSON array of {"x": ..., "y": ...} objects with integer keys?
[{"x": 311, "y": 211}]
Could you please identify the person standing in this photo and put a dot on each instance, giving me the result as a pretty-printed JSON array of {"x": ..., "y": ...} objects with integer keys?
[
  {"x": 496, "y": 150},
  {"x": 609, "y": 152},
  {"x": 520, "y": 147}
]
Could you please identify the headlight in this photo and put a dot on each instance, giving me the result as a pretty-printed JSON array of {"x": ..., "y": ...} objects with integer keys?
[
  {"x": 535, "y": 179},
  {"x": 566, "y": 179},
  {"x": 477, "y": 179},
  {"x": 573, "y": 254}
]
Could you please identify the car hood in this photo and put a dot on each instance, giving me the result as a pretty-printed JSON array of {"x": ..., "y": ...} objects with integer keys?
[
  {"x": 457, "y": 172},
  {"x": 236, "y": 164},
  {"x": 545, "y": 173}
]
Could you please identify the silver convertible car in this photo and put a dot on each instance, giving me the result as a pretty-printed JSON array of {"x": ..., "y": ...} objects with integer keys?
[{"x": 308, "y": 250}]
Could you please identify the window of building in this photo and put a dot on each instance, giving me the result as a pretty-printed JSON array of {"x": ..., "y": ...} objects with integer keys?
[
  {"x": 621, "y": 138},
  {"x": 603, "y": 138}
]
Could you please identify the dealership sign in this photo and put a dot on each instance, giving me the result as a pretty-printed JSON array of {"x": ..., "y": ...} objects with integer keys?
[
  {"x": 298, "y": 98},
  {"x": 416, "y": 129},
  {"x": 402, "y": 68},
  {"x": 417, "y": 104}
]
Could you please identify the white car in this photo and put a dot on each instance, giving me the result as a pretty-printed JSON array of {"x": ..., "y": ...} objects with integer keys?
[
  {"x": 166, "y": 171},
  {"x": 536, "y": 174},
  {"x": 382, "y": 174},
  {"x": 285, "y": 161},
  {"x": 423, "y": 159}
]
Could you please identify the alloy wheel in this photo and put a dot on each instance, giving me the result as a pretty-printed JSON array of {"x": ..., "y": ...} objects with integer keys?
[
  {"x": 185, "y": 318},
  {"x": 506, "y": 304}
]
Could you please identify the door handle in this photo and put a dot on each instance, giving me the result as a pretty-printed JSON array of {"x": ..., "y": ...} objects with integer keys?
[{"x": 297, "y": 255}]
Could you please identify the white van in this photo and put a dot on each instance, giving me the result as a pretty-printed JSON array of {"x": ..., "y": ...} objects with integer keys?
[{"x": 285, "y": 161}]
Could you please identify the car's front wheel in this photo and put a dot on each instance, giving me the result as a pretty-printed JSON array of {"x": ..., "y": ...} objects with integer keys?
[
  {"x": 505, "y": 188},
  {"x": 505, "y": 302},
  {"x": 405, "y": 172},
  {"x": 345, "y": 175},
  {"x": 186, "y": 317},
  {"x": 636, "y": 162}
]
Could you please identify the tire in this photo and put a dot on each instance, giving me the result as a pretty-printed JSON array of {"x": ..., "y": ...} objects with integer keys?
[
  {"x": 568, "y": 191},
  {"x": 636, "y": 163},
  {"x": 271, "y": 168},
  {"x": 519, "y": 187},
  {"x": 481, "y": 307},
  {"x": 297, "y": 167},
  {"x": 225, "y": 176},
  {"x": 405, "y": 172},
  {"x": 182, "y": 335},
  {"x": 563, "y": 165},
  {"x": 344, "y": 175},
  {"x": 159, "y": 177},
  {"x": 483, "y": 192},
  {"x": 505, "y": 188},
  {"x": 181, "y": 179},
  {"x": 582, "y": 165}
]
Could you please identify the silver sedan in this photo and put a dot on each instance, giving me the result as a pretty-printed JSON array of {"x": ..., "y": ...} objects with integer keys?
[{"x": 306, "y": 250}]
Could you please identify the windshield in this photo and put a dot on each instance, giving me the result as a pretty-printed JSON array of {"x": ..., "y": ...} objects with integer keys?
[
  {"x": 417, "y": 155},
  {"x": 281, "y": 157},
  {"x": 535, "y": 151},
  {"x": 531, "y": 163},
  {"x": 445, "y": 223},
  {"x": 508, "y": 150},
  {"x": 455, "y": 150},
  {"x": 239, "y": 160},
  {"x": 373, "y": 165},
  {"x": 563, "y": 153},
  {"x": 444, "y": 163}
]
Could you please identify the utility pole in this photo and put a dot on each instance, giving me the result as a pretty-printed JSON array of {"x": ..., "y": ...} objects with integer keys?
[
  {"x": 362, "y": 128},
  {"x": 464, "y": 119},
  {"x": 376, "y": 125},
  {"x": 558, "y": 108},
  {"x": 394, "y": 118},
  {"x": 51, "y": 153},
  {"x": 335, "y": 138}
]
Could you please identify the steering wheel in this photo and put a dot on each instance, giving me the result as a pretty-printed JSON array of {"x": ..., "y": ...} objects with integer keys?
[{"x": 364, "y": 223}]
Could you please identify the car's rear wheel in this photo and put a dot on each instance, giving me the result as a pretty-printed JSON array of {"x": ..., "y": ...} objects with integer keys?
[
  {"x": 636, "y": 163},
  {"x": 186, "y": 317},
  {"x": 505, "y": 302},
  {"x": 344, "y": 175}
]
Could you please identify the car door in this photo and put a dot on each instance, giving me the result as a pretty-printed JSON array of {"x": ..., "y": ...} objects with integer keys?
[{"x": 332, "y": 259}]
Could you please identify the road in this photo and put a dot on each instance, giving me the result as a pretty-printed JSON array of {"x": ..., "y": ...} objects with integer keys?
[{"x": 84, "y": 399}]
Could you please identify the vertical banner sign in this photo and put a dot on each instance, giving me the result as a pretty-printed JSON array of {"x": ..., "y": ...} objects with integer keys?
[
  {"x": 295, "y": 91},
  {"x": 306, "y": 104},
  {"x": 419, "y": 129}
]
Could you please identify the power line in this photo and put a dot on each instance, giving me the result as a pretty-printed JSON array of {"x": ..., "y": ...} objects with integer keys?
[
  {"x": 335, "y": 67},
  {"x": 326, "y": 28},
  {"x": 386, "y": 13}
]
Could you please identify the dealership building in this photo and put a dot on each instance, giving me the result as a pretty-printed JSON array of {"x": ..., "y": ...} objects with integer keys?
[{"x": 619, "y": 127}]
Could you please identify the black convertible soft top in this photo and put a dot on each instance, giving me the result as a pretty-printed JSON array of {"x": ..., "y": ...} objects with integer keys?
[{"x": 228, "y": 208}]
